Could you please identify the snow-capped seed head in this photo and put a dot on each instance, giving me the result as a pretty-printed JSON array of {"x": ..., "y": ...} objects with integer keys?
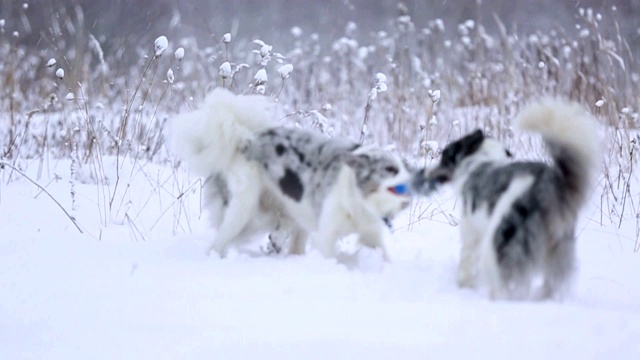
[
  {"x": 430, "y": 145},
  {"x": 60, "y": 73},
  {"x": 226, "y": 38},
  {"x": 434, "y": 95},
  {"x": 52, "y": 62},
  {"x": 225, "y": 70},
  {"x": 70, "y": 96},
  {"x": 160, "y": 45},
  {"x": 351, "y": 28},
  {"x": 381, "y": 78},
  {"x": 285, "y": 70},
  {"x": 265, "y": 50},
  {"x": 170, "y": 77},
  {"x": 2, "y": 22},
  {"x": 381, "y": 87},
  {"x": 600, "y": 103},
  {"x": 25, "y": 6},
  {"x": 260, "y": 77},
  {"x": 16, "y": 34},
  {"x": 439, "y": 24},
  {"x": 584, "y": 33},
  {"x": 179, "y": 53},
  {"x": 296, "y": 31}
]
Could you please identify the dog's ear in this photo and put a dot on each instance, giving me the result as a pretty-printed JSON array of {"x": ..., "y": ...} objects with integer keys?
[
  {"x": 461, "y": 148},
  {"x": 357, "y": 160},
  {"x": 473, "y": 141}
]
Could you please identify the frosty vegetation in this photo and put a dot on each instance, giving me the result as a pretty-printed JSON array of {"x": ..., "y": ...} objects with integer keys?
[{"x": 411, "y": 86}]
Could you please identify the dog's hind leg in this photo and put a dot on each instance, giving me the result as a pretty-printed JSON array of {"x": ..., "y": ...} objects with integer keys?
[
  {"x": 559, "y": 265},
  {"x": 298, "y": 242},
  {"x": 372, "y": 238}
]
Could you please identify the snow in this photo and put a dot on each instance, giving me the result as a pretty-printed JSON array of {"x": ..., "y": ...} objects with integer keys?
[
  {"x": 124, "y": 291},
  {"x": 285, "y": 70},
  {"x": 60, "y": 73},
  {"x": 225, "y": 70},
  {"x": 70, "y": 96},
  {"x": 265, "y": 50},
  {"x": 226, "y": 38},
  {"x": 381, "y": 78},
  {"x": 179, "y": 53},
  {"x": 435, "y": 95},
  {"x": 296, "y": 31},
  {"x": 52, "y": 62},
  {"x": 261, "y": 76},
  {"x": 160, "y": 45},
  {"x": 170, "y": 76}
]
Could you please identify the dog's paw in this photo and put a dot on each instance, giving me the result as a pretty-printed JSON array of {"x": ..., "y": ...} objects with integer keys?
[
  {"x": 465, "y": 280},
  {"x": 214, "y": 251}
]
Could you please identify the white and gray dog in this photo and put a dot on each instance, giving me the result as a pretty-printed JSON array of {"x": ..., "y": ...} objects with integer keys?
[
  {"x": 262, "y": 179},
  {"x": 519, "y": 218}
]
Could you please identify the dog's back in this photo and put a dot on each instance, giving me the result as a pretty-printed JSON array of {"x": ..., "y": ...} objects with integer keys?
[{"x": 211, "y": 137}]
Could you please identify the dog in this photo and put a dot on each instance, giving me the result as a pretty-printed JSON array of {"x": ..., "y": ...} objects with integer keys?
[
  {"x": 264, "y": 179},
  {"x": 519, "y": 217}
]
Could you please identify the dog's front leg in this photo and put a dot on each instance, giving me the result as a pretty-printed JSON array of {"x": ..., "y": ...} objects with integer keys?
[
  {"x": 243, "y": 205},
  {"x": 371, "y": 237},
  {"x": 298, "y": 242},
  {"x": 468, "y": 266},
  {"x": 325, "y": 241}
]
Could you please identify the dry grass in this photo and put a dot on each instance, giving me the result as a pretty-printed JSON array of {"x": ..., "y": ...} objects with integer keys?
[{"x": 102, "y": 110}]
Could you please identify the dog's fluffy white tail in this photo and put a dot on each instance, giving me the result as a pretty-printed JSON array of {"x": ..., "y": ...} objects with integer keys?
[
  {"x": 571, "y": 136},
  {"x": 210, "y": 137}
]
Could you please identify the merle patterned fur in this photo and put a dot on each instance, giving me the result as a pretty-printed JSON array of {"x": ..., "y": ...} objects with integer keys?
[
  {"x": 535, "y": 234},
  {"x": 305, "y": 164}
]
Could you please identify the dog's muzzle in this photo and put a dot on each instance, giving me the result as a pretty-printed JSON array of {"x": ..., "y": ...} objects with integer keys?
[
  {"x": 400, "y": 190},
  {"x": 425, "y": 182}
]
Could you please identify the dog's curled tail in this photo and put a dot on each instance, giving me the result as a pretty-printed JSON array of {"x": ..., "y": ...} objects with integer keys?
[
  {"x": 571, "y": 137},
  {"x": 210, "y": 137}
]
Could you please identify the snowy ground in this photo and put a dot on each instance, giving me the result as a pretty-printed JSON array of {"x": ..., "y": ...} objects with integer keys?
[{"x": 128, "y": 288}]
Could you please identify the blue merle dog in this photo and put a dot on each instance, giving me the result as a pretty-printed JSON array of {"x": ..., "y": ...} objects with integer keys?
[
  {"x": 262, "y": 179},
  {"x": 519, "y": 217}
]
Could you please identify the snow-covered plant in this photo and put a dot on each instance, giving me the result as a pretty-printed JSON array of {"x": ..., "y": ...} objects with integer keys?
[
  {"x": 260, "y": 81},
  {"x": 160, "y": 45},
  {"x": 284, "y": 71},
  {"x": 380, "y": 85},
  {"x": 264, "y": 52},
  {"x": 170, "y": 76},
  {"x": 179, "y": 53}
]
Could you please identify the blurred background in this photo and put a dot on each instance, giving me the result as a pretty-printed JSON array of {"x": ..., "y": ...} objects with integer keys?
[
  {"x": 355, "y": 66},
  {"x": 128, "y": 23}
]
